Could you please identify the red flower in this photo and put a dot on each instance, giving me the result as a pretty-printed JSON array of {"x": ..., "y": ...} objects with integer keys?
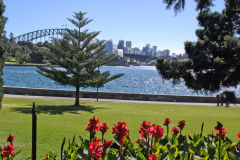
[
  {"x": 175, "y": 130},
  {"x": 157, "y": 132},
  {"x": 95, "y": 148},
  {"x": 221, "y": 132},
  {"x": 138, "y": 141},
  {"x": 121, "y": 131},
  {"x": 103, "y": 127},
  {"x": 10, "y": 138},
  {"x": 8, "y": 150},
  {"x": 166, "y": 122},
  {"x": 181, "y": 124},
  {"x": 238, "y": 135},
  {"x": 219, "y": 126},
  {"x": 105, "y": 146},
  {"x": 144, "y": 129},
  {"x": 46, "y": 156},
  {"x": 92, "y": 126},
  {"x": 152, "y": 157}
]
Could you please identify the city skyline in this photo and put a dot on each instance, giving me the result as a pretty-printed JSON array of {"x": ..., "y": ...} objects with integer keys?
[{"x": 142, "y": 21}]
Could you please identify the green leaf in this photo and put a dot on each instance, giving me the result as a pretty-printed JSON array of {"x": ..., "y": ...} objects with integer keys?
[
  {"x": 174, "y": 140},
  {"x": 140, "y": 156}
]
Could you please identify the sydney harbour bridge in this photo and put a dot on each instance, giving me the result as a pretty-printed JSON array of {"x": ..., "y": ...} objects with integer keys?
[{"x": 39, "y": 34}]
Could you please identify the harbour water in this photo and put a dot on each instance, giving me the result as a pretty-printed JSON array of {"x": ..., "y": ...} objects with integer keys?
[{"x": 136, "y": 79}]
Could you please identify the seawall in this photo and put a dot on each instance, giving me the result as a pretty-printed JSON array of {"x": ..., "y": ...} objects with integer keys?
[{"x": 109, "y": 95}]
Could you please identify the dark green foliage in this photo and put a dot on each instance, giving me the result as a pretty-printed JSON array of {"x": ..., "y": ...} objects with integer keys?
[
  {"x": 3, "y": 46},
  {"x": 214, "y": 60},
  {"x": 179, "y": 5},
  {"x": 36, "y": 56},
  {"x": 21, "y": 55},
  {"x": 79, "y": 57}
]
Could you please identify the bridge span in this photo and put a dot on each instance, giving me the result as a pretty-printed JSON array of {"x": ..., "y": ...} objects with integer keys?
[{"x": 39, "y": 33}]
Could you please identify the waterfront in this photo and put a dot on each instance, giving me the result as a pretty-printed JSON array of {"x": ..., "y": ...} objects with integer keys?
[{"x": 136, "y": 79}]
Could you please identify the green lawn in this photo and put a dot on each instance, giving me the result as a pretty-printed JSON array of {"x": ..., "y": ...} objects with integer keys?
[{"x": 56, "y": 119}]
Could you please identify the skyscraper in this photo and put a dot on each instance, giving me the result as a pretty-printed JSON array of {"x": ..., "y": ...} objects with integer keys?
[
  {"x": 109, "y": 47},
  {"x": 121, "y": 44},
  {"x": 154, "y": 51},
  {"x": 129, "y": 44}
]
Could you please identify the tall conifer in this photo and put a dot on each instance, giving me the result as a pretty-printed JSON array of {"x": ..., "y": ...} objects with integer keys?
[
  {"x": 3, "y": 46},
  {"x": 79, "y": 57}
]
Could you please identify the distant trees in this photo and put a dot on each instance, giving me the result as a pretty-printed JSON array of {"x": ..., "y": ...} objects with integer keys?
[
  {"x": 32, "y": 52},
  {"x": 3, "y": 47},
  {"x": 21, "y": 55},
  {"x": 79, "y": 57},
  {"x": 214, "y": 59}
]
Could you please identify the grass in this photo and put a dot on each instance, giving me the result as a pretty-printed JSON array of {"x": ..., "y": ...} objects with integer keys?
[{"x": 57, "y": 119}]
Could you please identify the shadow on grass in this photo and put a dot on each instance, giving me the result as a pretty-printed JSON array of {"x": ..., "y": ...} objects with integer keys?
[{"x": 54, "y": 110}]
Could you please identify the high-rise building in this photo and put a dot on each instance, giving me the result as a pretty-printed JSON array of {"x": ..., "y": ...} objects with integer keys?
[
  {"x": 165, "y": 53},
  {"x": 121, "y": 44},
  {"x": 145, "y": 51},
  {"x": 129, "y": 44},
  {"x": 154, "y": 51},
  {"x": 127, "y": 50},
  {"x": 109, "y": 47},
  {"x": 174, "y": 55},
  {"x": 136, "y": 50}
]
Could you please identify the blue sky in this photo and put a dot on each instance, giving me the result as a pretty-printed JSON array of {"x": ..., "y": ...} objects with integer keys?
[{"x": 141, "y": 21}]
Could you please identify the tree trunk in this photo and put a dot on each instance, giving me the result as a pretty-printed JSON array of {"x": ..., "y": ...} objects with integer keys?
[{"x": 77, "y": 97}]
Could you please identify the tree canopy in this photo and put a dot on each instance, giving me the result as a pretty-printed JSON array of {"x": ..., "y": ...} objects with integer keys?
[
  {"x": 3, "y": 46},
  {"x": 78, "y": 54},
  {"x": 214, "y": 59}
]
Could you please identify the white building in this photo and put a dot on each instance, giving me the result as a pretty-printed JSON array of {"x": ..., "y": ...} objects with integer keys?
[{"x": 120, "y": 52}]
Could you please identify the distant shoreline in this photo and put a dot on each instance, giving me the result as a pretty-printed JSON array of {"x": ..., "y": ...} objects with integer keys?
[{"x": 45, "y": 65}]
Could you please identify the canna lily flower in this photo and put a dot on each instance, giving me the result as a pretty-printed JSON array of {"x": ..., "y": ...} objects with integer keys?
[
  {"x": 10, "y": 138},
  {"x": 120, "y": 131},
  {"x": 166, "y": 122},
  {"x": 8, "y": 150},
  {"x": 175, "y": 131},
  {"x": 152, "y": 157},
  {"x": 157, "y": 132},
  {"x": 144, "y": 129},
  {"x": 238, "y": 135},
  {"x": 95, "y": 148},
  {"x": 181, "y": 124},
  {"x": 92, "y": 126},
  {"x": 103, "y": 127}
]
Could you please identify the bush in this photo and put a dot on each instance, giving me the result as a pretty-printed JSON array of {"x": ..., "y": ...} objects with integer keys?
[
  {"x": 22, "y": 57},
  {"x": 152, "y": 144}
]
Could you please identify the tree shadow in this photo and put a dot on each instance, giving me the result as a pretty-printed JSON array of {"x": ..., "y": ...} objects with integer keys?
[{"x": 56, "y": 109}]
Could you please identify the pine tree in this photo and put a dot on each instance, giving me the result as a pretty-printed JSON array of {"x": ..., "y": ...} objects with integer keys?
[
  {"x": 3, "y": 47},
  {"x": 214, "y": 60},
  {"x": 79, "y": 57}
]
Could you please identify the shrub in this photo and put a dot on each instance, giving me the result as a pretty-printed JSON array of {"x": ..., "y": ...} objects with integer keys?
[{"x": 152, "y": 144}]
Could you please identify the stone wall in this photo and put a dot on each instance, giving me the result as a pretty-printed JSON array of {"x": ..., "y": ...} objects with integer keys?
[{"x": 109, "y": 95}]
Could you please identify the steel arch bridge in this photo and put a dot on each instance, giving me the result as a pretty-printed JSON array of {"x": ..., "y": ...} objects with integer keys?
[{"x": 39, "y": 33}]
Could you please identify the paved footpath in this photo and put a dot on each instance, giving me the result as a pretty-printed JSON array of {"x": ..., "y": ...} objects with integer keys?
[{"x": 116, "y": 100}]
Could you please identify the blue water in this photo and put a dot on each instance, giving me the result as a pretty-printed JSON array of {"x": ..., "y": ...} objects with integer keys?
[{"x": 139, "y": 79}]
